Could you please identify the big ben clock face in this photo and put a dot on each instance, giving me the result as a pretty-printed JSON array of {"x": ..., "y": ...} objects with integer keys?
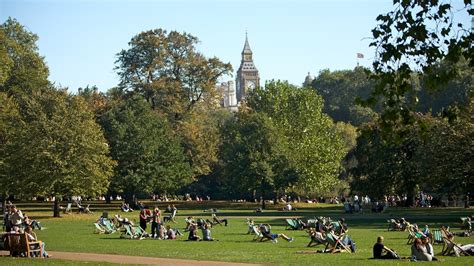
[{"x": 251, "y": 84}]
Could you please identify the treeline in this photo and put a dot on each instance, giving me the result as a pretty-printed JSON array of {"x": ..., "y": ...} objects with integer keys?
[
  {"x": 434, "y": 155},
  {"x": 161, "y": 130}
]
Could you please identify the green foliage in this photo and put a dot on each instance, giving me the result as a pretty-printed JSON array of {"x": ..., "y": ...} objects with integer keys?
[
  {"x": 22, "y": 69},
  {"x": 406, "y": 42},
  {"x": 341, "y": 89},
  {"x": 312, "y": 147},
  {"x": 168, "y": 72},
  {"x": 438, "y": 160},
  {"x": 149, "y": 156},
  {"x": 56, "y": 148},
  {"x": 252, "y": 155}
]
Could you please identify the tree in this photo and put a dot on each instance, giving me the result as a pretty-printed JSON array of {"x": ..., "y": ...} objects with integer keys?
[
  {"x": 407, "y": 42},
  {"x": 252, "y": 156},
  {"x": 9, "y": 119},
  {"x": 340, "y": 89},
  {"x": 149, "y": 156},
  {"x": 168, "y": 72},
  {"x": 420, "y": 162},
  {"x": 200, "y": 137},
  {"x": 22, "y": 68},
  {"x": 57, "y": 149},
  {"x": 314, "y": 150}
]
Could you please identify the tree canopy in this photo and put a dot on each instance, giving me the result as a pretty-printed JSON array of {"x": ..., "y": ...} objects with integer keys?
[
  {"x": 314, "y": 148},
  {"x": 407, "y": 42},
  {"x": 167, "y": 70},
  {"x": 149, "y": 156}
]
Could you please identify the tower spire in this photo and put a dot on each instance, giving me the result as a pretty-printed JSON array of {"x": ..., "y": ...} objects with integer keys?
[{"x": 246, "y": 45}]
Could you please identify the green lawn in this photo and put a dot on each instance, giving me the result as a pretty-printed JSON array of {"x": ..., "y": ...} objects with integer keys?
[{"x": 74, "y": 233}]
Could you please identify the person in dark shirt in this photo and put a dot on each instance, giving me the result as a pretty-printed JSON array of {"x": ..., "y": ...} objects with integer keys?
[{"x": 380, "y": 248}]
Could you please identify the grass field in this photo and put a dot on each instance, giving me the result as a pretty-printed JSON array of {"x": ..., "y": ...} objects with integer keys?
[{"x": 74, "y": 233}]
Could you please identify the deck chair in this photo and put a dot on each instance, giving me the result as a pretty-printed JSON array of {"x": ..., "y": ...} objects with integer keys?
[
  {"x": 334, "y": 243},
  {"x": 436, "y": 237},
  {"x": 127, "y": 232},
  {"x": 292, "y": 224},
  {"x": 258, "y": 236},
  {"x": 140, "y": 233},
  {"x": 99, "y": 229},
  {"x": 68, "y": 209},
  {"x": 336, "y": 226},
  {"x": 412, "y": 235},
  {"x": 87, "y": 210},
  {"x": 109, "y": 226},
  {"x": 393, "y": 225},
  {"x": 449, "y": 245},
  {"x": 316, "y": 238}
]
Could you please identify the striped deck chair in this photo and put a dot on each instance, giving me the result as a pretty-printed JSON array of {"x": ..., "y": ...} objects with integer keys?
[
  {"x": 334, "y": 243},
  {"x": 412, "y": 235},
  {"x": 292, "y": 224},
  {"x": 436, "y": 237},
  {"x": 99, "y": 229},
  {"x": 317, "y": 238}
]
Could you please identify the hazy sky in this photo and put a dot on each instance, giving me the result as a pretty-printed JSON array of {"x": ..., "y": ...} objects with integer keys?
[{"x": 80, "y": 39}]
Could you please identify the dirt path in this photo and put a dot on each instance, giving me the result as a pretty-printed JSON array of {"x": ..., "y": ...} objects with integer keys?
[{"x": 123, "y": 259}]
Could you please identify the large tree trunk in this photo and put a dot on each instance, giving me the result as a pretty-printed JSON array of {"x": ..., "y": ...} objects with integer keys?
[
  {"x": 107, "y": 198},
  {"x": 56, "y": 212}
]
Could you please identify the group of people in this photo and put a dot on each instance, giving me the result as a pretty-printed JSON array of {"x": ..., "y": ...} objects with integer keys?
[
  {"x": 16, "y": 221},
  {"x": 421, "y": 249}
]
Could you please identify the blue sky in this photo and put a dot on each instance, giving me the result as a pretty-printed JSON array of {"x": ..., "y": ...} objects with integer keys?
[{"x": 80, "y": 39}]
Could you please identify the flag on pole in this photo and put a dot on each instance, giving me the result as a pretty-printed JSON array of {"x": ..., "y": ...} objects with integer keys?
[{"x": 359, "y": 55}]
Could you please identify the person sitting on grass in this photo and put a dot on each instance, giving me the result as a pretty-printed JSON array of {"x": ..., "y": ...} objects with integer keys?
[
  {"x": 287, "y": 207},
  {"x": 193, "y": 234},
  {"x": 419, "y": 251},
  {"x": 379, "y": 249},
  {"x": 206, "y": 233},
  {"x": 429, "y": 248},
  {"x": 32, "y": 237},
  {"x": 170, "y": 233},
  {"x": 265, "y": 229}
]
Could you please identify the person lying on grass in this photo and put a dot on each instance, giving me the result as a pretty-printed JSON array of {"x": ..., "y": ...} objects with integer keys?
[
  {"x": 265, "y": 229},
  {"x": 382, "y": 252}
]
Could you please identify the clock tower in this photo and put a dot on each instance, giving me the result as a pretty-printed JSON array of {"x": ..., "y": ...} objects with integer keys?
[{"x": 247, "y": 75}]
